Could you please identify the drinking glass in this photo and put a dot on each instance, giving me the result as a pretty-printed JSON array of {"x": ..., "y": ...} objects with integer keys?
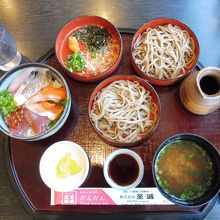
[{"x": 9, "y": 54}]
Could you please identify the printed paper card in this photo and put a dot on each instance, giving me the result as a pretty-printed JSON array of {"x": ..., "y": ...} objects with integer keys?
[{"x": 109, "y": 196}]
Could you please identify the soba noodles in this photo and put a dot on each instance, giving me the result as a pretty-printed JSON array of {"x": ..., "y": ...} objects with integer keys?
[
  {"x": 164, "y": 52},
  {"x": 124, "y": 111}
]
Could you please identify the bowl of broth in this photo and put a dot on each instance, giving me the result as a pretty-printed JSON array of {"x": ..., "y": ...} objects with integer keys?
[
  {"x": 35, "y": 102},
  {"x": 89, "y": 48},
  {"x": 186, "y": 170},
  {"x": 123, "y": 169}
]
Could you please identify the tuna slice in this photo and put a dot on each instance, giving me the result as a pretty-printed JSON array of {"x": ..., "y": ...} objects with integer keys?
[
  {"x": 19, "y": 122},
  {"x": 49, "y": 93},
  {"x": 37, "y": 123},
  {"x": 46, "y": 109}
]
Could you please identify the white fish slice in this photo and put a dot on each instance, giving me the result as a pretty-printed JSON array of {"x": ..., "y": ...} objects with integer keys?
[
  {"x": 16, "y": 82},
  {"x": 26, "y": 82},
  {"x": 34, "y": 83}
]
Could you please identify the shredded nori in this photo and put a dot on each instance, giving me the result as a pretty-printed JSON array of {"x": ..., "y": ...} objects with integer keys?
[{"x": 94, "y": 37}]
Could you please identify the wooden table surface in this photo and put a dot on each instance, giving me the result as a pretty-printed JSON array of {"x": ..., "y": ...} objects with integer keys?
[{"x": 35, "y": 24}]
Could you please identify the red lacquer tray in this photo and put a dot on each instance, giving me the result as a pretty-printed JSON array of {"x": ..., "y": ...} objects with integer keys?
[{"x": 23, "y": 157}]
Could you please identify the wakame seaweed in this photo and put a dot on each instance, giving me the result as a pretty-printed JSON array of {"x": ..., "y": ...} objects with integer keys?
[
  {"x": 184, "y": 170},
  {"x": 192, "y": 192},
  {"x": 94, "y": 37}
]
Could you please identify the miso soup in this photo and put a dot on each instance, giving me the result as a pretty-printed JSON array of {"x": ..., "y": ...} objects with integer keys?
[{"x": 184, "y": 170}]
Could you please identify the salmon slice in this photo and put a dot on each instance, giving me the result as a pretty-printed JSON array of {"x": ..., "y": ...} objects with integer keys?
[
  {"x": 56, "y": 109},
  {"x": 49, "y": 93},
  {"x": 46, "y": 109},
  {"x": 37, "y": 123}
]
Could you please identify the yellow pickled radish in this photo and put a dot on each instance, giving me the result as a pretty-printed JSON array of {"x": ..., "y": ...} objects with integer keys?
[{"x": 67, "y": 167}]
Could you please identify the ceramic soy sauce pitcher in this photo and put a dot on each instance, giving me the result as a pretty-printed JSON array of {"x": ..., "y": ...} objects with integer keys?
[{"x": 200, "y": 91}]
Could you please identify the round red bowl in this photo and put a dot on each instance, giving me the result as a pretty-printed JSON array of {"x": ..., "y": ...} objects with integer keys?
[
  {"x": 155, "y": 99},
  {"x": 62, "y": 50},
  {"x": 153, "y": 24}
]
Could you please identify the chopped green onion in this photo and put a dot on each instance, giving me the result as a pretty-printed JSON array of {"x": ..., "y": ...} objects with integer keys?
[
  {"x": 7, "y": 103},
  {"x": 75, "y": 62}
]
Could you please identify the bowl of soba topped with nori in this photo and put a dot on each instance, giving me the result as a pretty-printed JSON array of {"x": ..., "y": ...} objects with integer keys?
[
  {"x": 186, "y": 170},
  {"x": 89, "y": 48}
]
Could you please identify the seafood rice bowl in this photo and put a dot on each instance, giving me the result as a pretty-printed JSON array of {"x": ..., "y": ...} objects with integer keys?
[{"x": 35, "y": 102}]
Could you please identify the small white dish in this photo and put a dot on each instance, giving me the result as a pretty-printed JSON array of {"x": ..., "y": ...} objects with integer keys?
[
  {"x": 107, "y": 172},
  {"x": 51, "y": 158}
]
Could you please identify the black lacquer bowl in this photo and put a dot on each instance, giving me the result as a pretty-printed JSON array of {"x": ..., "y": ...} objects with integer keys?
[{"x": 213, "y": 154}]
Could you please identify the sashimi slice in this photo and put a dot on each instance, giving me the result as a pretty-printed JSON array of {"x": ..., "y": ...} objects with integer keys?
[
  {"x": 53, "y": 107},
  {"x": 17, "y": 81},
  {"x": 46, "y": 109},
  {"x": 17, "y": 123},
  {"x": 37, "y": 123},
  {"x": 49, "y": 93},
  {"x": 42, "y": 79}
]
